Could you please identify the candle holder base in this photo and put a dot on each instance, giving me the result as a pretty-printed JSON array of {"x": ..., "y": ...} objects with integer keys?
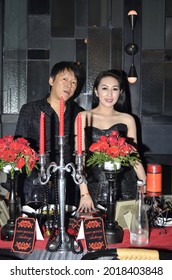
[
  {"x": 66, "y": 243},
  {"x": 114, "y": 233},
  {"x": 7, "y": 232}
]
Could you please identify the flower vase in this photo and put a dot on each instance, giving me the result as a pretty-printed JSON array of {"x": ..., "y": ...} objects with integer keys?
[
  {"x": 114, "y": 233},
  {"x": 7, "y": 232},
  {"x": 111, "y": 166}
]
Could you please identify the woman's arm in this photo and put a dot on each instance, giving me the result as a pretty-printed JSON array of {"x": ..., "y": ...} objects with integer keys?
[
  {"x": 132, "y": 134},
  {"x": 140, "y": 171},
  {"x": 86, "y": 203}
]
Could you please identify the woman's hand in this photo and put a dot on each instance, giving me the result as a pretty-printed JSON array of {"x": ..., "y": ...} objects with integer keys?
[
  {"x": 86, "y": 204},
  {"x": 7, "y": 196}
]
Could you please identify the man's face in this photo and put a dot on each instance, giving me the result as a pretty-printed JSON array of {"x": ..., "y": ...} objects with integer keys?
[{"x": 64, "y": 84}]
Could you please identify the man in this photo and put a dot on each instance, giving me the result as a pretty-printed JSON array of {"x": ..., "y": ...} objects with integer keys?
[{"x": 64, "y": 81}]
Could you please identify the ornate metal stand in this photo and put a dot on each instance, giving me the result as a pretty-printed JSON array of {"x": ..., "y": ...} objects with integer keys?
[
  {"x": 65, "y": 242},
  {"x": 7, "y": 232},
  {"x": 114, "y": 233}
]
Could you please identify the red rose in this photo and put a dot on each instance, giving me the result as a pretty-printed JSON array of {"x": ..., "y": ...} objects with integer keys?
[
  {"x": 132, "y": 148},
  {"x": 2, "y": 143},
  {"x": 20, "y": 162},
  {"x": 99, "y": 147},
  {"x": 27, "y": 151},
  {"x": 103, "y": 139},
  {"x": 113, "y": 141},
  {"x": 9, "y": 155},
  {"x": 115, "y": 133},
  {"x": 113, "y": 152},
  {"x": 94, "y": 147},
  {"x": 21, "y": 140},
  {"x": 121, "y": 141},
  {"x": 15, "y": 146},
  {"x": 31, "y": 161},
  {"x": 8, "y": 138}
]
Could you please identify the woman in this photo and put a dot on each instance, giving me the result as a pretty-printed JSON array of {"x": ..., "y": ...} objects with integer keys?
[{"x": 106, "y": 116}]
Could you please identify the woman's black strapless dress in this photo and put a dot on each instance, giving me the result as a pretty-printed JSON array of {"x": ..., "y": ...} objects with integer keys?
[{"x": 97, "y": 182}]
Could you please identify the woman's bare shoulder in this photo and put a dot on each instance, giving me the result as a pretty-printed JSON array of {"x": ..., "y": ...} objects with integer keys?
[
  {"x": 127, "y": 118},
  {"x": 86, "y": 117},
  {"x": 86, "y": 113}
]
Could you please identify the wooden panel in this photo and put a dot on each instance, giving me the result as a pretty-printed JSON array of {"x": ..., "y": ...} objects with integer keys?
[
  {"x": 62, "y": 18},
  {"x": 157, "y": 139}
]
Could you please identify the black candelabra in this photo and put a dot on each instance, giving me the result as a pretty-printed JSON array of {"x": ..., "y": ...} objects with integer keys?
[{"x": 63, "y": 242}]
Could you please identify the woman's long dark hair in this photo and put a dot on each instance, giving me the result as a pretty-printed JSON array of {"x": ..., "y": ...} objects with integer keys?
[{"x": 123, "y": 103}]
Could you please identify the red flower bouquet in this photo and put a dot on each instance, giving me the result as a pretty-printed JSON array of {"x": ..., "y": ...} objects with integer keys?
[
  {"x": 114, "y": 149},
  {"x": 16, "y": 155}
]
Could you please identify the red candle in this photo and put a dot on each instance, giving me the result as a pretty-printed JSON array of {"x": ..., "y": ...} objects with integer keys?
[
  {"x": 61, "y": 120},
  {"x": 42, "y": 134},
  {"x": 79, "y": 134},
  {"x": 154, "y": 180}
]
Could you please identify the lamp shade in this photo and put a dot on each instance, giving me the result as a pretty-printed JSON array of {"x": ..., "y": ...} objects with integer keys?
[
  {"x": 132, "y": 76},
  {"x": 132, "y": 18}
]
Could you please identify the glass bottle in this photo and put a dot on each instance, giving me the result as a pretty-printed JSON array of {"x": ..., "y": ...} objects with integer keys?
[{"x": 139, "y": 228}]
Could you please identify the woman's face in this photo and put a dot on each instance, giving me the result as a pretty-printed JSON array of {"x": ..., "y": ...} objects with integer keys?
[
  {"x": 64, "y": 84},
  {"x": 108, "y": 91}
]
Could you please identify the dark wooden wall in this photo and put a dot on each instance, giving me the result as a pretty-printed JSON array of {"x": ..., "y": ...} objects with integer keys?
[{"x": 35, "y": 34}]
